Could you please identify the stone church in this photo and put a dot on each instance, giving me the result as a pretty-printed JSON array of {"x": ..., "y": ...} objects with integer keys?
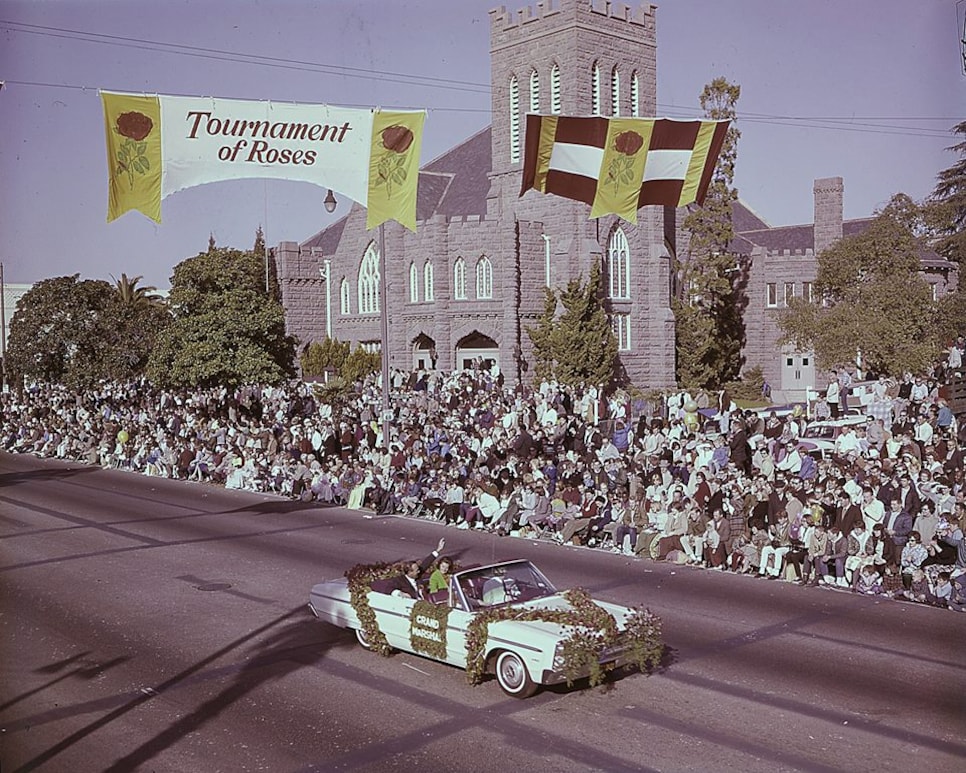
[{"x": 466, "y": 286}]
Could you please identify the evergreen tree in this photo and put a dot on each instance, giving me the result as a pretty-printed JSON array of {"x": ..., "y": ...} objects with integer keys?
[
  {"x": 226, "y": 331},
  {"x": 542, "y": 338},
  {"x": 78, "y": 332},
  {"x": 875, "y": 303},
  {"x": 947, "y": 208},
  {"x": 579, "y": 347},
  {"x": 321, "y": 356},
  {"x": 708, "y": 302}
]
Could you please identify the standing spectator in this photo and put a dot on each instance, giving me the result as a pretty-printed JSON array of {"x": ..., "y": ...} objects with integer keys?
[{"x": 833, "y": 394}]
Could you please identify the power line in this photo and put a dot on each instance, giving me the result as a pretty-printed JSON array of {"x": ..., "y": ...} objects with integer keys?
[
  {"x": 244, "y": 58},
  {"x": 862, "y": 124}
]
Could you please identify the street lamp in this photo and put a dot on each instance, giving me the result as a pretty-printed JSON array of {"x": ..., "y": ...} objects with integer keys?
[{"x": 330, "y": 202}]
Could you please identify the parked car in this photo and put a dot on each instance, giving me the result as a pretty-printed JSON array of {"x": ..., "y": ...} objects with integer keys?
[
  {"x": 523, "y": 653},
  {"x": 819, "y": 437}
]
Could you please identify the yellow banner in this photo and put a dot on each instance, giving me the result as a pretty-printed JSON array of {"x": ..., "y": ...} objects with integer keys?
[
  {"x": 394, "y": 168},
  {"x": 133, "y": 125},
  {"x": 622, "y": 168}
]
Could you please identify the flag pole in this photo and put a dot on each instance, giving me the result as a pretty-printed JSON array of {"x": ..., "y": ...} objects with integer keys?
[{"x": 384, "y": 334}]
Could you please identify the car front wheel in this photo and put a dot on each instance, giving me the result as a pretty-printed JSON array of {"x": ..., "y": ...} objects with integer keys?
[
  {"x": 363, "y": 639},
  {"x": 511, "y": 673}
]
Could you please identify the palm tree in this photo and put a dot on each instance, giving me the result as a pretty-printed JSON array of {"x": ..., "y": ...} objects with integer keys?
[{"x": 132, "y": 295}]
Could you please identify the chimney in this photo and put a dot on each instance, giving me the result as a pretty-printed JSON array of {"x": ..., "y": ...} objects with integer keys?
[{"x": 828, "y": 212}]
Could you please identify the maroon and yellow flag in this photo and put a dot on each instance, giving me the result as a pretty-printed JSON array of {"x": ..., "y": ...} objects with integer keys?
[{"x": 617, "y": 165}]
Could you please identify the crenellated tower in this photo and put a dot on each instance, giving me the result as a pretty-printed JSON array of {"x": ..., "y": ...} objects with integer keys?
[{"x": 572, "y": 57}]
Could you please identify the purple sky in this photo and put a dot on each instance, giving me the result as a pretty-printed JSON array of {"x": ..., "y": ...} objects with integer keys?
[{"x": 863, "y": 89}]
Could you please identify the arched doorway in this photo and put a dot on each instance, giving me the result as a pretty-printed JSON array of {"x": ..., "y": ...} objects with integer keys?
[
  {"x": 477, "y": 350},
  {"x": 424, "y": 353}
]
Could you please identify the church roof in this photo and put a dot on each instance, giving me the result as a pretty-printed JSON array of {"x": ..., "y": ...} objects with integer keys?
[
  {"x": 454, "y": 184},
  {"x": 796, "y": 238}
]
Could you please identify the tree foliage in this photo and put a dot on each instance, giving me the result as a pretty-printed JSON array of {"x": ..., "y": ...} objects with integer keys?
[
  {"x": 876, "y": 304},
  {"x": 579, "y": 347},
  {"x": 947, "y": 207},
  {"x": 360, "y": 364},
  {"x": 78, "y": 332},
  {"x": 708, "y": 299},
  {"x": 329, "y": 354},
  {"x": 226, "y": 331}
]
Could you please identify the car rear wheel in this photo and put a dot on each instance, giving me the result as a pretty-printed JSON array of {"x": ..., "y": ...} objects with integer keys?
[{"x": 511, "y": 673}]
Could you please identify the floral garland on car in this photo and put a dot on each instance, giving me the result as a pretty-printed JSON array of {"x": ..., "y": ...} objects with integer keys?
[
  {"x": 594, "y": 628},
  {"x": 360, "y": 579}
]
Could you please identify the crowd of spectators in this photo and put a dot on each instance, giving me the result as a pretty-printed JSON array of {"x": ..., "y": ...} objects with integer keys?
[{"x": 688, "y": 479}]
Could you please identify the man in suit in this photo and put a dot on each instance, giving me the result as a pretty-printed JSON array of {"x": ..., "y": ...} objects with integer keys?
[{"x": 407, "y": 584}]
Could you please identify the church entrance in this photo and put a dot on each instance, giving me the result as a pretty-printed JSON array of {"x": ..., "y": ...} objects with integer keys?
[
  {"x": 424, "y": 353},
  {"x": 477, "y": 351}
]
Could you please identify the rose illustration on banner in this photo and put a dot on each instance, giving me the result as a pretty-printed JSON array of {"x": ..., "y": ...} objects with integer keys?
[
  {"x": 621, "y": 169},
  {"x": 131, "y": 155},
  {"x": 391, "y": 167}
]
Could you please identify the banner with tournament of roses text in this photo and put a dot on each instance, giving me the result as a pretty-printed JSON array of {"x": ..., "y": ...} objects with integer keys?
[{"x": 158, "y": 145}]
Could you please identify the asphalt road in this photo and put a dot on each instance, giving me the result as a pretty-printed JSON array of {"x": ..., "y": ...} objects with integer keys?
[{"x": 158, "y": 625}]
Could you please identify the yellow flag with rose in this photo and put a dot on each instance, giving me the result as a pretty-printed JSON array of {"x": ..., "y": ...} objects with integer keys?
[
  {"x": 394, "y": 167},
  {"x": 133, "y": 128},
  {"x": 622, "y": 168}
]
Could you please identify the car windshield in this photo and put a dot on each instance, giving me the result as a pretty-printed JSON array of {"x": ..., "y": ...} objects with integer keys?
[
  {"x": 493, "y": 586},
  {"x": 820, "y": 431}
]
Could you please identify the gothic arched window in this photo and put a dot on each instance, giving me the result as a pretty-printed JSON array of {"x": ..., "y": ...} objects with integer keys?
[
  {"x": 635, "y": 95},
  {"x": 618, "y": 266},
  {"x": 369, "y": 282},
  {"x": 615, "y": 92},
  {"x": 595, "y": 108},
  {"x": 514, "y": 119},
  {"x": 484, "y": 278},
  {"x": 459, "y": 279},
  {"x": 534, "y": 92},
  {"x": 344, "y": 295},
  {"x": 555, "y": 104},
  {"x": 413, "y": 283},
  {"x": 429, "y": 288}
]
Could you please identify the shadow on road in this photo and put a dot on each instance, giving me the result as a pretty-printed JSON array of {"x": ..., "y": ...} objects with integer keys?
[
  {"x": 49, "y": 473},
  {"x": 283, "y": 645},
  {"x": 297, "y": 644}
]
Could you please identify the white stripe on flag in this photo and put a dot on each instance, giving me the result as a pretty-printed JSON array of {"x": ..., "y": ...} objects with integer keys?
[
  {"x": 577, "y": 159},
  {"x": 667, "y": 165}
]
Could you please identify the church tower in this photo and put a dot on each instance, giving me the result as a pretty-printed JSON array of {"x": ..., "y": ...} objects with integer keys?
[{"x": 569, "y": 57}]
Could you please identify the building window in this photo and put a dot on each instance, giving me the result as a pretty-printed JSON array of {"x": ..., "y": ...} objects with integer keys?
[
  {"x": 807, "y": 291},
  {"x": 369, "y": 282},
  {"x": 618, "y": 266},
  {"x": 371, "y": 347},
  {"x": 413, "y": 283},
  {"x": 484, "y": 278},
  {"x": 771, "y": 295},
  {"x": 615, "y": 92},
  {"x": 429, "y": 287},
  {"x": 635, "y": 95},
  {"x": 935, "y": 291},
  {"x": 534, "y": 92},
  {"x": 459, "y": 279},
  {"x": 621, "y": 324},
  {"x": 595, "y": 90},
  {"x": 789, "y": 292},
  {"x": 344, "y": 294},
  {"x": 555, "y": 106},
  {"x": 514, "y": 120}
]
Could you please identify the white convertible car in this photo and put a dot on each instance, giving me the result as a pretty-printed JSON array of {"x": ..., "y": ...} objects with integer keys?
[{"x": 523, "y": 653}]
